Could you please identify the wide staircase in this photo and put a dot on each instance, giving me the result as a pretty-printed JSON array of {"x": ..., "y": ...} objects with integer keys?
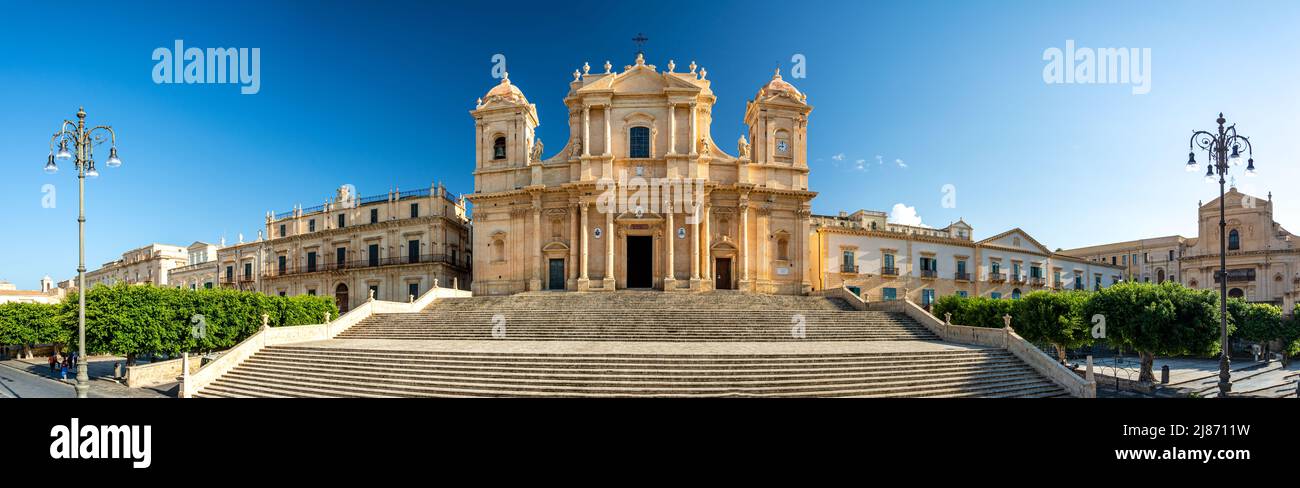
[
  {"x": 634, "y": 344},
  {"x": 643, "y": 316}
]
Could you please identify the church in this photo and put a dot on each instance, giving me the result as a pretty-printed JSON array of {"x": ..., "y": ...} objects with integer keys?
[{"x": 581, "y": 219}]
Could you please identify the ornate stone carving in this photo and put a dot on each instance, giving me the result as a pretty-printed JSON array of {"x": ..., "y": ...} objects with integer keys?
[
  {"x": 577, "y": 147},
  {"x": 536, "y": 155},
  {"x": 742, "y": 148}
]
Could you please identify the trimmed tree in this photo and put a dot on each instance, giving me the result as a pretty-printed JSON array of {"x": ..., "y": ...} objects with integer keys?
[
  {"x": 1257, "y": 322},
  {"x": 1166, "y": 320},
  {"x": 1055, "y": 318}
]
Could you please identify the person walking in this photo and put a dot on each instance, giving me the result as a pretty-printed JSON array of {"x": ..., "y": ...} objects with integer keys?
[
  {"x": 63, "y": 373},
  {"x": 52, "y": 362}
]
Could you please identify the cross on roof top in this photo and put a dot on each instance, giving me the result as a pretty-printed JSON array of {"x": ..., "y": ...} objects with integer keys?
[{"x": 640, "y": 40}]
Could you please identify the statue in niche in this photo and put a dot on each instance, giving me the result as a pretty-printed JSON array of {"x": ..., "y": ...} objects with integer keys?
[
  {"x": 536, "y": 155},
  {"x": 577, "y": 147},
  {"x": 742, "y": 148},
  {"x": 704, "y": 145}
]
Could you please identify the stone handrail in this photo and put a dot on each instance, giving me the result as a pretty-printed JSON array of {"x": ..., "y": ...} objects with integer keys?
[
  {"x": 1005, "y": 338},
  {"x": 271, "y": 336}
]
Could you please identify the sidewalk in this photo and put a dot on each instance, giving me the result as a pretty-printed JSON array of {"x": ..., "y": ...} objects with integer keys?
[{"x": 100, "y": 369}]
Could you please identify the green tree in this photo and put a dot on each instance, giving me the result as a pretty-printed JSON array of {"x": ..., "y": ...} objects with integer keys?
[
  {"x": 1158, "y": 320},
  {"x": 973, "y": 312},
  {"x": 1055, "y": 318},
  {"x": 1257, "y": 322},
  {"x": 131, "y": 320},
  {"x": 27, "y": 324}
]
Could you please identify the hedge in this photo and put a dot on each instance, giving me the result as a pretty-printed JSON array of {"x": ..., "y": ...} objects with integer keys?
[{"x": 130, "y": 320}]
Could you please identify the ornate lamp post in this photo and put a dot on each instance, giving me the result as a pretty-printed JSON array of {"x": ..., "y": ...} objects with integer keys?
[
  {"x": 83, "y": 143},
  {"x": 1223, "y": 150}
]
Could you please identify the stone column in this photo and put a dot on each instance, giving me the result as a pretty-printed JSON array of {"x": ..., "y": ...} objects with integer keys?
[
  {"x": 576, "y": 233},
  {"x": 583, "y": 257},
  {"x": 695, "y": 251},
  {"x": 586, "y": 130},
  {"x": 609, "y": 147},
  {"x": 695, "y": 137},
  {"x": 670, "y": 234},
  {"x": 706, "y": 263},
  {"x": 743, "y": 209},
  {"x": 801, "y": 253},
  {"x": 536, "y": 283},
  {"x": 609, "y": 236},
  {"x": 672, "y": 128}
]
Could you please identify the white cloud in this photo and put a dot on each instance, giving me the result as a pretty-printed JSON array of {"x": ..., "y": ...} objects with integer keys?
[
  {"x": 900, "y": 163},
  {"x": 905, "y": 215},
  {"x": 860, "y": 165},
  {"x": 879, "y": 160},
  {"x": 838, "y": 157}
]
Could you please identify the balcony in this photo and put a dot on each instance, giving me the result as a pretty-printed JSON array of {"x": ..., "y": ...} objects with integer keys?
[
  {"x": 960, "y": 276},
  {"x": 889, "y": 271},
  {"x": 337, "y": 266},
  {"x": 997, "y": 277},
  {"x": 1017, "y": 280},
  {"x": 1037, "y": 282},
  {"x": 929, "y": 274},
  {"x": 848, "y": 269}
]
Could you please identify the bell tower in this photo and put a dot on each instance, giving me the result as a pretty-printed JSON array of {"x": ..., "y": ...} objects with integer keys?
[
  {"x": 778, "y": 128},
  {"x": 504, "y": 127}
]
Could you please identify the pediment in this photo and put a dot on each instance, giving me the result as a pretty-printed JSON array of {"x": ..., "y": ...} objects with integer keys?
[{"x": 1016, "y": 239}]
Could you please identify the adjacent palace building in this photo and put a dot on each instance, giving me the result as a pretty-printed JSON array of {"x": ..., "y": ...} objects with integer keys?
[
  {"x": 396, "y": 245},
  {"x": 1263, "y": 258},
  {"x": 640, "y": 195}
]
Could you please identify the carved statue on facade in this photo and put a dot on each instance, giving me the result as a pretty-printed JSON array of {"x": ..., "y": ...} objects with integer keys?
[
  {"x": 536, "y": 155},
  {"x": 742, "y": 148},
  {"x": 704, "y": 145},
  {"x": 577, "y": 147}
]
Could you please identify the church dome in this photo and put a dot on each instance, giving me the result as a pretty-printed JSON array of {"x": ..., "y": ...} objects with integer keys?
[
  {"x": 778, "y": 85},
  {"x": 505, "y": 92}
]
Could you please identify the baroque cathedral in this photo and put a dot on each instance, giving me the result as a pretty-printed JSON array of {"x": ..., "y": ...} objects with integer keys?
[{"x": 564, "y": 222}]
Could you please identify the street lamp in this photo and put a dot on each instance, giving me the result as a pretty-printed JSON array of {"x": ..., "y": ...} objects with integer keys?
[
  {"x": 83, "y": 142},
  {"x": 1222, "y": 149}
]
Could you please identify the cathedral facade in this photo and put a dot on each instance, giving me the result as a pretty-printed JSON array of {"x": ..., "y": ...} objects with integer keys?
[{"x": 640, "y": 195}]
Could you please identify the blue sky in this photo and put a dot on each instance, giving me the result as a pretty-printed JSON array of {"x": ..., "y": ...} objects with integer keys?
[{"x": 376, "y": 94}]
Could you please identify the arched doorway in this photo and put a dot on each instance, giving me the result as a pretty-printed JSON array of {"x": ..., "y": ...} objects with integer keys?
[
  {"x": 341, "y": 297},
  {"x": 1236, "y": 293},
  {"x": 1015, "y": 293},
  {"x": 1160, "y": 276}
]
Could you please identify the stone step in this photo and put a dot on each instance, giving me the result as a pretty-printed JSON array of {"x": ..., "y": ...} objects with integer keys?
[
  {"x": 255, "y": 383},
  {"x": 653, "y": 367}
]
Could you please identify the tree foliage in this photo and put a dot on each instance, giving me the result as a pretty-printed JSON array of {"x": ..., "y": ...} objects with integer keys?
[
  {"x": 1055, "y": 318},
  {"x": 1158, "y": 320},
  {"x": 130, "y": 320},
  {"x": 973, "y": 311}
]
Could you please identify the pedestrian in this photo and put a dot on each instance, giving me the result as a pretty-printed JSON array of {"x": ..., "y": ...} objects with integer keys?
[
  {"x": 63, "y": 374},
  {"x": 52, "y": 361}
]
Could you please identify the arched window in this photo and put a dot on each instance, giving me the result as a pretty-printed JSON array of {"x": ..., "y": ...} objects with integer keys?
[
  {"x": 638, "y": 142},
  {"x": 1234, "y": 240},
  {"x": 1236, "y": 293},
  {"x": 1015, "y": 293},
  {"x": 499, "y": 148}
]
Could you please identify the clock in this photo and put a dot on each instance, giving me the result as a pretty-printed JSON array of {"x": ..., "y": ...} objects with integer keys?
[{"x": 782, "y": 146}]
